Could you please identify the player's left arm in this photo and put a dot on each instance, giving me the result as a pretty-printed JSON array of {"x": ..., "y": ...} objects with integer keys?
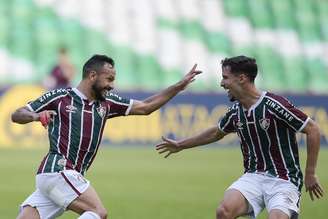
[
  {"x": 311, "y": 181},
  {"x": 154, "y": 102}
]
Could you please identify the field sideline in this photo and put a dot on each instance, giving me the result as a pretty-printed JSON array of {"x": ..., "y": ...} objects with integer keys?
[{"x": 138, "y": 183}]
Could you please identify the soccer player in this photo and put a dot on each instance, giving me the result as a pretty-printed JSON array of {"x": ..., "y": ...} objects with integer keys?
[
  {"x": 266, "y": 125},
  {"x": 75, "y": 118}
]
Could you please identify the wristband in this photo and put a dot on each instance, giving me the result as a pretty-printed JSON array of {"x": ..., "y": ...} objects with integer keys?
[{"x": 44, "y": 118}]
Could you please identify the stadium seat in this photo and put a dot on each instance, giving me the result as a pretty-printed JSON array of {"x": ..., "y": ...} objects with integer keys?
[
  {"x": 5, "y": 17},
  {"x": 245, "y": 50},
  {"x": 21, "y": 24},
  {"x": 271, "y": 69},
  {"x": 217, "y": 42},
  {"x": 4, "y": 29},
  {"x": 236, "y": 8},
  {"x": 283, "y": 14},
  {"x": 72, "y": 37},
  {"x": 191, "y": 29},
  {"x": 127, "y": 76},
  {"x": 149, "y": 73},
  {"x": 170, "y": 77},
  {"x": 22, "y": 10},
  {"x": 295, "y": 75},
  {"x": 47, "y": 38},
  {"x": 22, "y": 42},
  {"x": 318, "y": 76},
  {"x": 260, "y": 14},
  {"x": 153, "y": 43},
  {"x": 322, "y": 9},
  {"x": 306, "y": 19}
]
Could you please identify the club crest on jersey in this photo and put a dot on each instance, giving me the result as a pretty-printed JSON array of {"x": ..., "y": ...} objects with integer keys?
[
  {"x": 61, "y": 162},
  {"x": 239, "y": 125},
  {"x": 71, "y": 109},
  {"x": 265, "y": 123},
  {"x": 101, "y": 111}
]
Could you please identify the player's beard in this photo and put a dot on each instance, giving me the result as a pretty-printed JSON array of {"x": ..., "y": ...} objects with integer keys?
[
  {"x": 231, "y": 97},
  {"x": 99, "y": 91}
]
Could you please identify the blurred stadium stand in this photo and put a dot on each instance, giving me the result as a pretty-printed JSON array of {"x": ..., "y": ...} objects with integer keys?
[{"x": 155, "y": 42}]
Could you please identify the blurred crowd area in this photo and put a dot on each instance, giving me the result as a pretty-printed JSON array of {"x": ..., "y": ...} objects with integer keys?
[{"x": 155, "y": 42}]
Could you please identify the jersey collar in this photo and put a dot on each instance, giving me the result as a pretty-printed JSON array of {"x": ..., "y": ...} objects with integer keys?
[
  {"x": 81, "y": 95},
  {"x": 256, "y": 103}
]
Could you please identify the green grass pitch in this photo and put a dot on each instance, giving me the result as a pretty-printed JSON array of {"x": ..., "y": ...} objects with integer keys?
[{"x": 135, "y": 182}]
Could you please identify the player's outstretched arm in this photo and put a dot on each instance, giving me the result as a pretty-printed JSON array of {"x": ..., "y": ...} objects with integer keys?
[
  {"x": 154, "y": 102},
  {"x": 171, "y": 146},
  {"x": 311, "y": 181},
  {"x": 23, "y": 115}
]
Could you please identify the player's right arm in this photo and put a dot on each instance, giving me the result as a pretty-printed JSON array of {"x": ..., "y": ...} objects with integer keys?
[
  {"x": 213, "y": 134},
  {"x": 41, "y": 109},
  {"x": 171, "y": 146},
  {"x": 23, "y": 115}
]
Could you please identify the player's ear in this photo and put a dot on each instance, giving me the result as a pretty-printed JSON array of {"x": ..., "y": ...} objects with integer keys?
[
  {"x": 243, "y": 78},
  {"x": 92, "y": 75}
]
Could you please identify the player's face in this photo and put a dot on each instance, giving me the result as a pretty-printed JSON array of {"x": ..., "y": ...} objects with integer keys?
[
  {"x": 230, "y": 83},
  {"x": 104, "y": 81}
]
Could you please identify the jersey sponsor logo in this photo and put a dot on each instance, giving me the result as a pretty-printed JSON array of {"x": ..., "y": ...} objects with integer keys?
[
  {"x": 265, "y": 123},
  {"x": 51, "y": 93},
  {"x": 71, "y": 109},
  {"x": 114, "y": 95},
  {"x": 101, "y": 111},
  {"x": 280, "y": 110}
]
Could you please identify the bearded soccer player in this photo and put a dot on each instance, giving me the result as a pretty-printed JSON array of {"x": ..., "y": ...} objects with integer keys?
[
  {"x": 76, "y": 118},
  {"x": 266, "y": 125}
]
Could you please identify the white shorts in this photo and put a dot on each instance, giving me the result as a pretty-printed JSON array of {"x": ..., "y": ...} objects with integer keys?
[
  {"x": 55, "y": 191},
  {"x": 262, "y": 190}
]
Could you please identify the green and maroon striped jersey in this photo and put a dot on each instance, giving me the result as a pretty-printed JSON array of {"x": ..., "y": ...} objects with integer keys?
[
  {"x": 267, "y": 133},
  {"x": 76, "y": 131}
]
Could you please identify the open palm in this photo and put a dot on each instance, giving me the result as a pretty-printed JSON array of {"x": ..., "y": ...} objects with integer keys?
[{"x": 168, "y": 145}]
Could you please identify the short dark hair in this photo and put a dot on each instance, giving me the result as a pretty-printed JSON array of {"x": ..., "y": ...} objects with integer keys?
[
  {"x": 95, "y": 63},
  {"x": 241, "y": 65}
]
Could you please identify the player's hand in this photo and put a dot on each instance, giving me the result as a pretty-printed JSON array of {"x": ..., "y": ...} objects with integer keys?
[
  {"x": 45, "y": 117},
  {"x": 313, "y": 186},
  {"x": 189, "y": 78},
  {"x": 168, "y": 145}
]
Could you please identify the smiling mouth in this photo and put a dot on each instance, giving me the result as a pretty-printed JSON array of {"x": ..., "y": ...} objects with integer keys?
[{"x": 105, "y": 92}]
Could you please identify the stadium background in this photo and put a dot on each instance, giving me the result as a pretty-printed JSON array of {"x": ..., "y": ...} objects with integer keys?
[{"x": 154, "y": 43}]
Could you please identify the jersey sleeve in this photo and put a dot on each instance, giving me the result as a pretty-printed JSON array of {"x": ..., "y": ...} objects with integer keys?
[
  {"x": 47, "y": 101},
  {"x": 226, "y": 122},
  {"x": 286, "y": 111},
  {"x": 117, "y": 106}
]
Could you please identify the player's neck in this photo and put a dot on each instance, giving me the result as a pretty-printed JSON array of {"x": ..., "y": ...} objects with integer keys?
[
  {"x": 85, "y": 89},
  {"x": 249, "y": 97}
]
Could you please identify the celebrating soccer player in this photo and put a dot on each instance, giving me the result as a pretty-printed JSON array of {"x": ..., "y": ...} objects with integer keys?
[
  {"x": 266, "y": 125},
  {"x": 75, "y": 118}
]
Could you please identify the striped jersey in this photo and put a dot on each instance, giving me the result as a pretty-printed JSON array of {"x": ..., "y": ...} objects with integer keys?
[
  {"x": 76, "y": 131},
  {"x": 267, "y": 133}
]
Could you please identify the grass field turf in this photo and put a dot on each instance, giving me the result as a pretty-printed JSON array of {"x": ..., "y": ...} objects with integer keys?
[{"x": 138, "y": 183}]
